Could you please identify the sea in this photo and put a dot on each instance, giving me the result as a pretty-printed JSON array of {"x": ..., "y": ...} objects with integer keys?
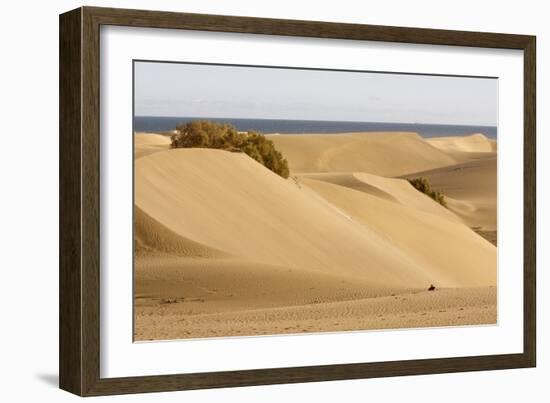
[{"x": 283, "y": 126}]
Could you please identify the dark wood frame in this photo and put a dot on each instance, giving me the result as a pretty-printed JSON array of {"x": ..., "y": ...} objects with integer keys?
[{"x": 79, "y": 201}]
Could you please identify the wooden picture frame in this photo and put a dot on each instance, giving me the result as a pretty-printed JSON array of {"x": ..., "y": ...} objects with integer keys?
[{"x": 79, "y": 280}]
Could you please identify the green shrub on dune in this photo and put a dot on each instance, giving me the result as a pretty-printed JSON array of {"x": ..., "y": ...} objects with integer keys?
[
  {"x": 206, "y": 134},
  {"x": 423, "y": 185}
]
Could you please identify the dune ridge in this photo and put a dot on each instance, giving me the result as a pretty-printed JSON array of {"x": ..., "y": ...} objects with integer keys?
[
  {"x": 470, "y": 189},
  {"x": 390, "y": 189},
  {"x": 476, "y": 143},
  {"x": 374, "y": 153},
  {"x": 148, "y": 143}
]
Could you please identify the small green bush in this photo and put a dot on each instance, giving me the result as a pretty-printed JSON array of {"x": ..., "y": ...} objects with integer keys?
[
  {"x": 424, "y": 186},
  {"x": 206, "y": 134}
]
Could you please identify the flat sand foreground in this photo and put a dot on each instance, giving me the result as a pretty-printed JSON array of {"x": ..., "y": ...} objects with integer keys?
[
  {"x": 414, "y": 309},
  {"x": 225, "y": 247}
]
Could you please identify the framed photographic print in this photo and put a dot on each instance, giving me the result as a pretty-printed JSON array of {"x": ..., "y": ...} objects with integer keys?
[{"x": 249, "y": 201}]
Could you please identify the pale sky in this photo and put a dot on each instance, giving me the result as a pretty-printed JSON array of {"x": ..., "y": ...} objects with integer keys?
[{"x": 192, "y": 90}]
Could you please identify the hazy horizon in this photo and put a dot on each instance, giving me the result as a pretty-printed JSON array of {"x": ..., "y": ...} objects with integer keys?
[{"x": 238, "y": 92}]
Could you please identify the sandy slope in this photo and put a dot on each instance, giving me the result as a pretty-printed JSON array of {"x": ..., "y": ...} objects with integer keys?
[
  {"x": 148, "y": 143},
  {"x": 476, "y": 143},
  {"x": 466, "y": 148},
  {"x": 390, "y": 189},
  {"x": 385, "y": 154},
  {"x": 435, "y": 241},
  {"x": 470, "y": 189},
  {"x": 151, "y": 237}
]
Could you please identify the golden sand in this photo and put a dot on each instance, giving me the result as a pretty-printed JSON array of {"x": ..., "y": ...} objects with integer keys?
[{"x": 226, "y": 247}]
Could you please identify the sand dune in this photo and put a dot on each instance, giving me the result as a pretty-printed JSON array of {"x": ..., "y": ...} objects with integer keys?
[
  {"x": 470, "y": 189},
  {"x": 466, "y": 148},
  {"x": 434, "y": 241},
  {"x": 396, "y": 190},
  {"x": 384, "y": 154},
  {"x": 225, "y": 247},
  {"x": 231, "y": 203},
  {"x": 199, "y": 194},
  {"x": 148, "y": 143},
  {"x": 476, "y": 143},
  {"x": 151, "y": 237},
  {"x": 352, "y": 180}
]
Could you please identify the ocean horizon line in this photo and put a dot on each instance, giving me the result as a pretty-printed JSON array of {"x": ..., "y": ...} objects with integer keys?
[{"x": 146, "y": 123}]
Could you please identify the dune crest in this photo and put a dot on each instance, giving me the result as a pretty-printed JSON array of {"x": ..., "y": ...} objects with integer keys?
[
  {"x": 148, "y": 143},
  {"x": 474, "y": 143},
  {"x": 352, "y": 181},
  {"x": 384, "y": 154},
  {"x": 391, "y": 189},
  {"x": 470, "y": 189}
]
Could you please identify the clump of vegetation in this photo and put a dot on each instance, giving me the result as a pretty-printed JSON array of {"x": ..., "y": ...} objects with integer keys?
[
  {"x": 423, "y": 185},
  {"x": 206, "y": 134},
  {"x": 431, "y": 287}
]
